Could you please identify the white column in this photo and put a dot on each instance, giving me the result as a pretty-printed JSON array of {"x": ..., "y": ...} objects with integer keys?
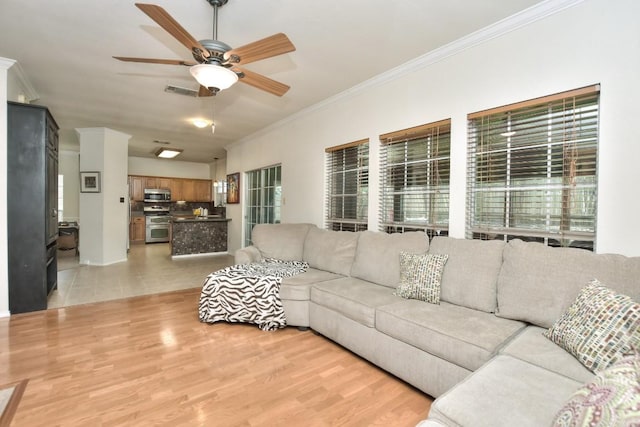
[{"x": 104, "y": 214}]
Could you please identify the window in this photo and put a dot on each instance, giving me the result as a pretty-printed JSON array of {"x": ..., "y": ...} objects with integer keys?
[
  {"x": 263, "y": 200},
  {"x": 532, "y": 170},
  {"x": 347, "y": 186},
  {"x": 414, "y": 166}
]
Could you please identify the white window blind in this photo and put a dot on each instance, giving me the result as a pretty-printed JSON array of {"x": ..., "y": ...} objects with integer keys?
[
  {"x": 415, "y": 169},
  {"x": 347, "y": 168},
  {"x": 532, "y": 170}
]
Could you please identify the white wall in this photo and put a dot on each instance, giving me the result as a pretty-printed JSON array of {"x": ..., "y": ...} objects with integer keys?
[
  {"x": 69, "y": 168},
  {"x": 104, "y": 215},
  {"x": 595, "y": 41},
  {"x": 168, "y": 168},
  {"x": 5, "y": 64}
]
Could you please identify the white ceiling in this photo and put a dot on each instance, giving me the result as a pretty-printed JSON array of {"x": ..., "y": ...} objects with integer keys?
[{"x": 65, "y": 49}]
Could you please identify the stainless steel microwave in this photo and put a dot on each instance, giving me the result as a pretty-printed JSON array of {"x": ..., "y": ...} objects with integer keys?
[{"x": 157, "y": 195}]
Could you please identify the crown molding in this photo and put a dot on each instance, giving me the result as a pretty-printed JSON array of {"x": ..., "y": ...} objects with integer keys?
[
  {"x": 511, "y": 23},
  {"x": 6, "y": 63},
  {"x": 16, "y": 69}
]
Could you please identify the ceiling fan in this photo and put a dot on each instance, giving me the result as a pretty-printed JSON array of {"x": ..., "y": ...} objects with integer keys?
[{"x": 217, "y": 65}]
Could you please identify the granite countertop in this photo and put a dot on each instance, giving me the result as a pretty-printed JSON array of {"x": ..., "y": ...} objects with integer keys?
[{"x": 191, "y": 218}]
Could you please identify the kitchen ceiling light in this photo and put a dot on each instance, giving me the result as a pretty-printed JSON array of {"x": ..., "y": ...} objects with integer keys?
[
  {"x": 213, "y": 76},
  {"x": 168, "y": 153}
]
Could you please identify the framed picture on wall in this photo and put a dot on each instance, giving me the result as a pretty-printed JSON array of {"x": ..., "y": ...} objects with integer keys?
[
  {"x": 233, "y": 188},
  {"x": 89, "y": 182}
]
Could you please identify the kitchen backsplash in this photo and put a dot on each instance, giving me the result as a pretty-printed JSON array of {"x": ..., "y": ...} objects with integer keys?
[{"x": 186, "y": 207}]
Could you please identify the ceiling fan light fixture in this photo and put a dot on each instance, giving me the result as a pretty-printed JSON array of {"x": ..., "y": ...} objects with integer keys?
[
  {"x": 167, "y": 153},
  {"x": 200, "y": 123},
  {"x": 214, "y": 76}
]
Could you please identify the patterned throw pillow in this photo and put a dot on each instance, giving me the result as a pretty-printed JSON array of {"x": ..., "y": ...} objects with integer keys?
[
  {"x": 420, "y": 276},
  {"x": 611, "y": 399},
  {"x": 599, "y": 327}
]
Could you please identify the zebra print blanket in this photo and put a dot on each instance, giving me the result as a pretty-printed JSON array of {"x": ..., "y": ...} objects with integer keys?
[{"x": 248, "y": 293}]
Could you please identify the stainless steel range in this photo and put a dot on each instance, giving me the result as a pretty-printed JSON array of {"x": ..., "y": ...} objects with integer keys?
[{"x": 157, "y": 222}]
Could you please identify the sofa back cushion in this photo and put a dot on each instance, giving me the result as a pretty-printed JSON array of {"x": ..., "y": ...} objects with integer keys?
[
  {"x": 377, "y": 257},
  {"x": 330, "y": 250},
  {"x": 538, "y": 283},
  {"x": 471, "y": 272},
  {"x": 280, "y": 241}
]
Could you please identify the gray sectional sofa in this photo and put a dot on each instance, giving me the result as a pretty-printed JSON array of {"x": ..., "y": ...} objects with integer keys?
[{"x": 481, "y": 351}]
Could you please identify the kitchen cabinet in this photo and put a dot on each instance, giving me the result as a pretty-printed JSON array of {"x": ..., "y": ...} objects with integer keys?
[
  {"x": 176, "y": 189},
  {"x": 137, "y": 229},
  {"x": 189, "y": 190},
  {"x": 32, "y": 208},
  {"x": 164, "y": 183},
  {"x": 150, "y": 182},
  {"x": 202, "y": 190},
  {"x": 136, "y": 188}
]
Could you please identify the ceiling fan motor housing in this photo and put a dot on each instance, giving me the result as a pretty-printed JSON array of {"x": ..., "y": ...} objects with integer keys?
[
  {"x": 217, "y": 3},
  {"x": 216, "y": 49}
]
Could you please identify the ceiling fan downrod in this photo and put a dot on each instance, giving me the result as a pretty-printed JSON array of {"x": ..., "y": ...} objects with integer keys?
[{"x": 216, "y": 4}]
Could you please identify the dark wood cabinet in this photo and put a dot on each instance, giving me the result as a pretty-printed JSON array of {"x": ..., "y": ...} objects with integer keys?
[{"x": 32, "y": 206}]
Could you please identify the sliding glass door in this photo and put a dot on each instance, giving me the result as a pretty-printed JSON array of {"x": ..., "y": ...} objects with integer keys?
[{"x": 264, "y": 198}]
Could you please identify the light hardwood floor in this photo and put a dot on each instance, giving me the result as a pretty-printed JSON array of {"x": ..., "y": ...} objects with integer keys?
[
  {"x": 141, "y": 357},
  {"x": 147, "y": 360}
]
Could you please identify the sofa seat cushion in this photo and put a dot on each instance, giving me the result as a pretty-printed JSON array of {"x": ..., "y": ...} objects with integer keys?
[
  {"x": 470, "y": 275},
  {"x": 505, "y": 392},
  {"x": 353, "y": 298},
  {"x": 533, "y": 347},
  {"x": 460, "y": 335},
  {"x": 280, "y": 241},
  {"x": 298, "y": 287},
  {"x": 377, "y": 257},
  {"x": 330, "y": 250}
]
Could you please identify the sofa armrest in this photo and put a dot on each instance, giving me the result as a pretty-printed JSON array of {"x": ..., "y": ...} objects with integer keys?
[{"x": 247, "y": 255}]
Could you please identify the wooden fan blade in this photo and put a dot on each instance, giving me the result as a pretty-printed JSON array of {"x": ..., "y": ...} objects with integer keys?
[
  {"x": 274, "y": 45},
  {"x": 170, "y": 25},
  {"x": 156, "y": 61},
  {"x": 205, "y": 91},
  {"x": 261, "y": 82}
]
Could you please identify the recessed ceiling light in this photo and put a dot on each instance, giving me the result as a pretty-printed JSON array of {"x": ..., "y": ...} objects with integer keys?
[
  {"x": 167, "y": 153},
  {"x": 508, "y": 134}
]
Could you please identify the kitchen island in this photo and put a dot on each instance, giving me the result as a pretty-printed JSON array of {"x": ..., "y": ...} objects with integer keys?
[{"x": 198, "y": 235}]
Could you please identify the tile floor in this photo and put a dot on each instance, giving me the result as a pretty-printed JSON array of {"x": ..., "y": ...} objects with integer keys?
[{"x": 149, "y": 270}]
